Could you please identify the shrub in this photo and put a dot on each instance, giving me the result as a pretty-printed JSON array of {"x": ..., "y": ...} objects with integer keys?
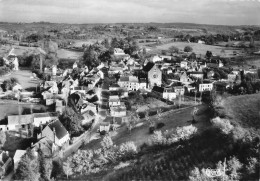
[
  {"x": 188, "y": 49},
  {"x": 223, "y": 124},
  {"x": 151, "y": 129},
  {"x": 160, "y": 125}
]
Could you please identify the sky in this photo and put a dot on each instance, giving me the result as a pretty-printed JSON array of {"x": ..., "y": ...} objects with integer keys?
[{"x": 225, "y": 12}]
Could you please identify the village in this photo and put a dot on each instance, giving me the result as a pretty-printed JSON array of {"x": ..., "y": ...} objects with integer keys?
[{"x": 107, "y": 98}]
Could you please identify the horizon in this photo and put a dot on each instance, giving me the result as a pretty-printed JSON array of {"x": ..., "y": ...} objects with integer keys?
[{"x": 207, "y": 12}]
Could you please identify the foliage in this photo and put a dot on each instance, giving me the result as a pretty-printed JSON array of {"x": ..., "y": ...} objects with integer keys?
[
  {"x": 71, "y": 120},
  {"x": 8, "y": 84},
  {"x": 188, "y": 49},
  {"x": 67, "y": 167},
  {"x": 27, "y": 167},
  {"x": 173, "y": 49},
  {"x": 2, "y": 137},
  {"x": 127, "y": 150},
  {"x": 4, "y": 70},
  {"x": 223, "y": 124},
  {"x": 45, "y": 166}
]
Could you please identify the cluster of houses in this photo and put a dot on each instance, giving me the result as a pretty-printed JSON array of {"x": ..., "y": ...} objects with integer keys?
[{"x": 128, "y": 75}]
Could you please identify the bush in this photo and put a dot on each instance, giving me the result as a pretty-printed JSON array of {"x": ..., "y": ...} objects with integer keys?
[
  {"x": 188, "y": 49},
  {"x": 151, "y": 129},
  {"x": 160, "y": 125},
  {"x": 223, "y": 124}
]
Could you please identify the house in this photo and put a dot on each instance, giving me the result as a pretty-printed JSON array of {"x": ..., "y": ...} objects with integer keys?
[
  {"x": 104, "y": 126},
  {"x": 205, "y": 87},
  {"x": 114, "y": 101},
  {"x": 156, "y": 58},
  {"x": 17, "y": 157},
  {"x": 232, "y": 77},
  {"x": 75, "y": 65},
  {"x": 118, "y": 111},
  {"x": 154, "y": 74},
  {"x": 118, "y": 51},
  {"x": 184, "y": 78},
  {"x": 114, "y": 87},
  {"x": 50, "y": 87},
  {"x": 59, "y": 107},
  {"x": 184, "y": 64},
  {"x": 17, "y": 88},
  {"x": 88, "y": 107},
  {"x": 129, "y": 82},
  {"x": 5, "y": 162},
  {"x": 210, "y": 74},
  {"x": 166, "y": 93},
  {"x": 115, "y": 122},
  {"x": 89, "y": 117},
  {"x": 179, "y": 90},
  {"x": 20, "y": 123},
  {"x": 44, "y": 118},
  {"x": 201, "y": 42},
  {"x": 198, "y": 75},
  {"x": 215, "y": 63},
  {"x": 56, "y": 133}
]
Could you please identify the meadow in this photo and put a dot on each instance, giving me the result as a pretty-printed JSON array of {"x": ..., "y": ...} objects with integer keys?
[{"x": 199, "y": 49}]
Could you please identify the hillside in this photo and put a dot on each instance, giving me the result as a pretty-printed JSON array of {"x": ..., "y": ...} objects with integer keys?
[
  {"x": 242, "y": 110},
  {"x": 176, "y": 161}
]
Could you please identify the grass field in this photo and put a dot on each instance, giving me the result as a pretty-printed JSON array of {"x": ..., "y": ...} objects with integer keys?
[
  {"x": 199, "y": 49},
  {"x": 140, "y": 135},
  {"x": 68, "y": 54},
  {"x": 79, "y": 43},
  {"x": 23, "y": 77},
  {"x": 243, "y": 110}
]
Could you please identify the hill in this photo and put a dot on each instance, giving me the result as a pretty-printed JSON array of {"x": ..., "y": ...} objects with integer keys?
[{"x": 242, "y": 111}]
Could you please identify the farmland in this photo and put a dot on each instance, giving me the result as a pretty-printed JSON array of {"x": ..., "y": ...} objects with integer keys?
[
  {"x": 199, "y": 49},
  {"x": 68, "y": 54}
]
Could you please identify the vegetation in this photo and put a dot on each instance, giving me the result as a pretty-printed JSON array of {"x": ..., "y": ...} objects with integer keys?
[{"x": 71, "y": 121}]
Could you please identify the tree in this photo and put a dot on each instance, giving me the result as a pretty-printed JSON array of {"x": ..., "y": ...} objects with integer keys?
[
  {"x": 223, "y": 124},
  {"x": 90, "y": 57},
  {"x": 27, "y": 167},
  {"x": 45, "y": 166},
  {"x": 67, "y": 167},
  {"x": 188, "y": 49},
  {"x": 2, "y": 137},
  {"x": 234, "y": 166},
  {"x": 208, "y": 54},
  {"x": 174, "y": 49},
  {"x": 71, "y": 120},
  {"x": 107, "y": 143},
  {"x": 127, "y": 149}
]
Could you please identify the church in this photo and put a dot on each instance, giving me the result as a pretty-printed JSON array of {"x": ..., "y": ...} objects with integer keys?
[{"x": 154, "y": 74}]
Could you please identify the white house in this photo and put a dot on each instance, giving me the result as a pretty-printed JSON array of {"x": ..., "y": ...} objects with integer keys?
[
  {"x": 169, "y": 94},
  {"x": 156, "y": 58},
  {"x": 114, "y": 101},
  {"x": 43, "y": 118},
  {"x": 205, "y": 87},
  {"x": 118, "y": 111},
  {"x": 104, "y": 127},
  {"x": 184, "y": 64},
  {"x": 118, "y": 51}
]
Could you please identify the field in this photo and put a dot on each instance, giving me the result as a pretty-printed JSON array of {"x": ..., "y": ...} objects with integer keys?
[
  {"x": 23, "y": 77},
  {"x": 243, "y": 110},
  {"x": 68, "y": 54},
  {"x": 140, "y": 135},
  {"x": 79, "y": 43},
  {"x": 199, "y": 49}
]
